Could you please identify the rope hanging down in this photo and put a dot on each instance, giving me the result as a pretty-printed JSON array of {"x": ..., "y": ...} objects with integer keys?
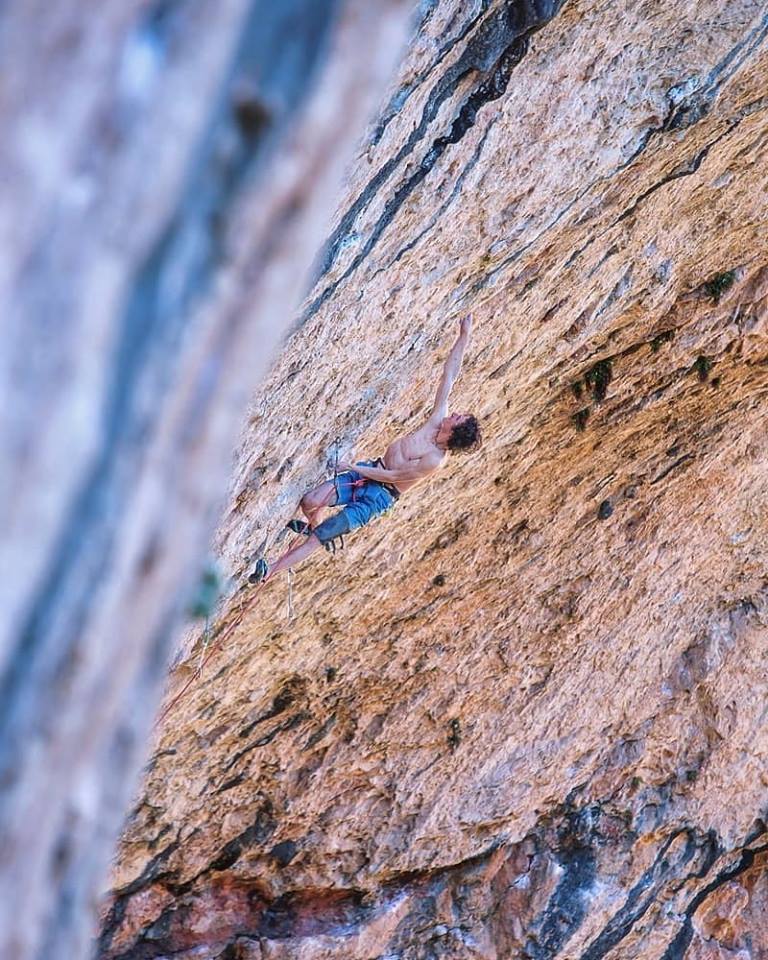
[
  {"x": 290, "y": 596},
  {"x": 206, "y": 641},
  {"x": 210, "y": 644},
  {"x": 208, "y": 647}
]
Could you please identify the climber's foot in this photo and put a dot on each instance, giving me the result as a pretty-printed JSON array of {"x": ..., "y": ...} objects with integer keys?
[
  {"x": 260, "y": 571},
  {"x": 299, "y": 526}
]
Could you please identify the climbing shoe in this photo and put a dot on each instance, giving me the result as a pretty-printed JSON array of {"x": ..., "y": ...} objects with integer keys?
[
  {"x": 299, "y": 526},
  {"x": 260, "y": 571}
]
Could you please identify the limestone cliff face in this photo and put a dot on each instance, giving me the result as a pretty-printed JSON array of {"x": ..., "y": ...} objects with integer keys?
[{"x": 523, "y": 716}]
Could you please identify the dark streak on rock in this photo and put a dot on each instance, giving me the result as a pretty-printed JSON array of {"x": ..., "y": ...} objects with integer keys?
[
  {"x": 401, "y": 95},
  {"x": 282, "y": 853},
  {"x": 678, "y": 463},
  {"x": 231, "y": 784},
  {"x": 283, "y": 699},
  {"x": 567, "y": 907},
  {"x": 689, "y": 108},
  {"x": 150, "y": 874},
  {"x": 260, "y": 830},
  {"x": 497, "y": 46},
  {"x": 288, "y": 917},
  {"x": 170, "y": 752},
  {"x": 643, "y": 894},
  {"x": 288, "y": 724},
  {"x": 619, "y": 289},
  {"x": 467, "y": 169},
  {"x": 677, "y": 948},
  {"x": 683, "y": 171},
  {"x": 318, "y": 735}
]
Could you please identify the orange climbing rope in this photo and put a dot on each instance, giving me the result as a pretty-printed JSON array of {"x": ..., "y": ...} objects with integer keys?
[{"x": 206, "y": 657}]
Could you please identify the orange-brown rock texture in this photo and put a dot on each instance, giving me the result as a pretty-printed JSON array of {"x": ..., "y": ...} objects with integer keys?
[{"x": 524, "y": 714}]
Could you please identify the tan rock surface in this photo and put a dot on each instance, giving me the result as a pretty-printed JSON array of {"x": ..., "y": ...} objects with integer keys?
[{"x": 523, "y": 715}]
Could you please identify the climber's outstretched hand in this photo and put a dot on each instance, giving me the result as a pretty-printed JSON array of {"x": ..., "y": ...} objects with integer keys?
[{"x": 465, "y": 325}]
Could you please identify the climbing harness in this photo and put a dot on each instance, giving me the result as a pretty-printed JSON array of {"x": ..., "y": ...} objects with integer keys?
[{"x": 331, "y": 544}]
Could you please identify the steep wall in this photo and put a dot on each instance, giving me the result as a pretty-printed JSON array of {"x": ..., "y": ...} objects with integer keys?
[{"x": 524, "y": 714}]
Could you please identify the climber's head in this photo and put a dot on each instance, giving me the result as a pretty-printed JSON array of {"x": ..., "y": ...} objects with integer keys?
[{"x": 460, "y": 433}]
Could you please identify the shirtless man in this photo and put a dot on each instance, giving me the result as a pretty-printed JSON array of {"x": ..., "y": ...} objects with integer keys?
[{"x": 367, "y": 489}]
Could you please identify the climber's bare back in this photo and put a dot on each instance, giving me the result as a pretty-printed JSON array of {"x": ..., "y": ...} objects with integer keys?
[{"x": 417, "y": 452}]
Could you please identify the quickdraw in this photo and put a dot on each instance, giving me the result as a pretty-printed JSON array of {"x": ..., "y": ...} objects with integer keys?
[{"x": 331, "y": 545}]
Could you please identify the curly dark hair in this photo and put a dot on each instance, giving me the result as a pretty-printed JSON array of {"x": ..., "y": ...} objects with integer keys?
[{"x": 465, "y": 436}]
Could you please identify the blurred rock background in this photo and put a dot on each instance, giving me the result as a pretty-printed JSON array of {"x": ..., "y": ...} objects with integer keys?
[{"x": 168, "y": 172}]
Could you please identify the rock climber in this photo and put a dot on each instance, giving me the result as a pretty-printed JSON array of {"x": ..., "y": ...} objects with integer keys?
[{"x": 369, "y": 488}]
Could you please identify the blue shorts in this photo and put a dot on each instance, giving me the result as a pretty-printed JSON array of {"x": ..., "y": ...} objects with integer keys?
[{"x": 362, "y": 503}]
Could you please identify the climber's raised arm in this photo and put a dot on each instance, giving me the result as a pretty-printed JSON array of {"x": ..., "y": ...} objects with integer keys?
[
  {"x": 371, "y": 488},
  {"x": 451, "y": 370}
]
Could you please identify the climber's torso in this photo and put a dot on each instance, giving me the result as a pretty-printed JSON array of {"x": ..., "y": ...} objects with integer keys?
[{"x": 415, "y": 452}]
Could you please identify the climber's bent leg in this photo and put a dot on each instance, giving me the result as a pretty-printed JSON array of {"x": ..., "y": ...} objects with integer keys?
[
  {"x": 328, "y": 530},
  {"x": 315, "y": 501},
  {"x": 372, "y": 500}
]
